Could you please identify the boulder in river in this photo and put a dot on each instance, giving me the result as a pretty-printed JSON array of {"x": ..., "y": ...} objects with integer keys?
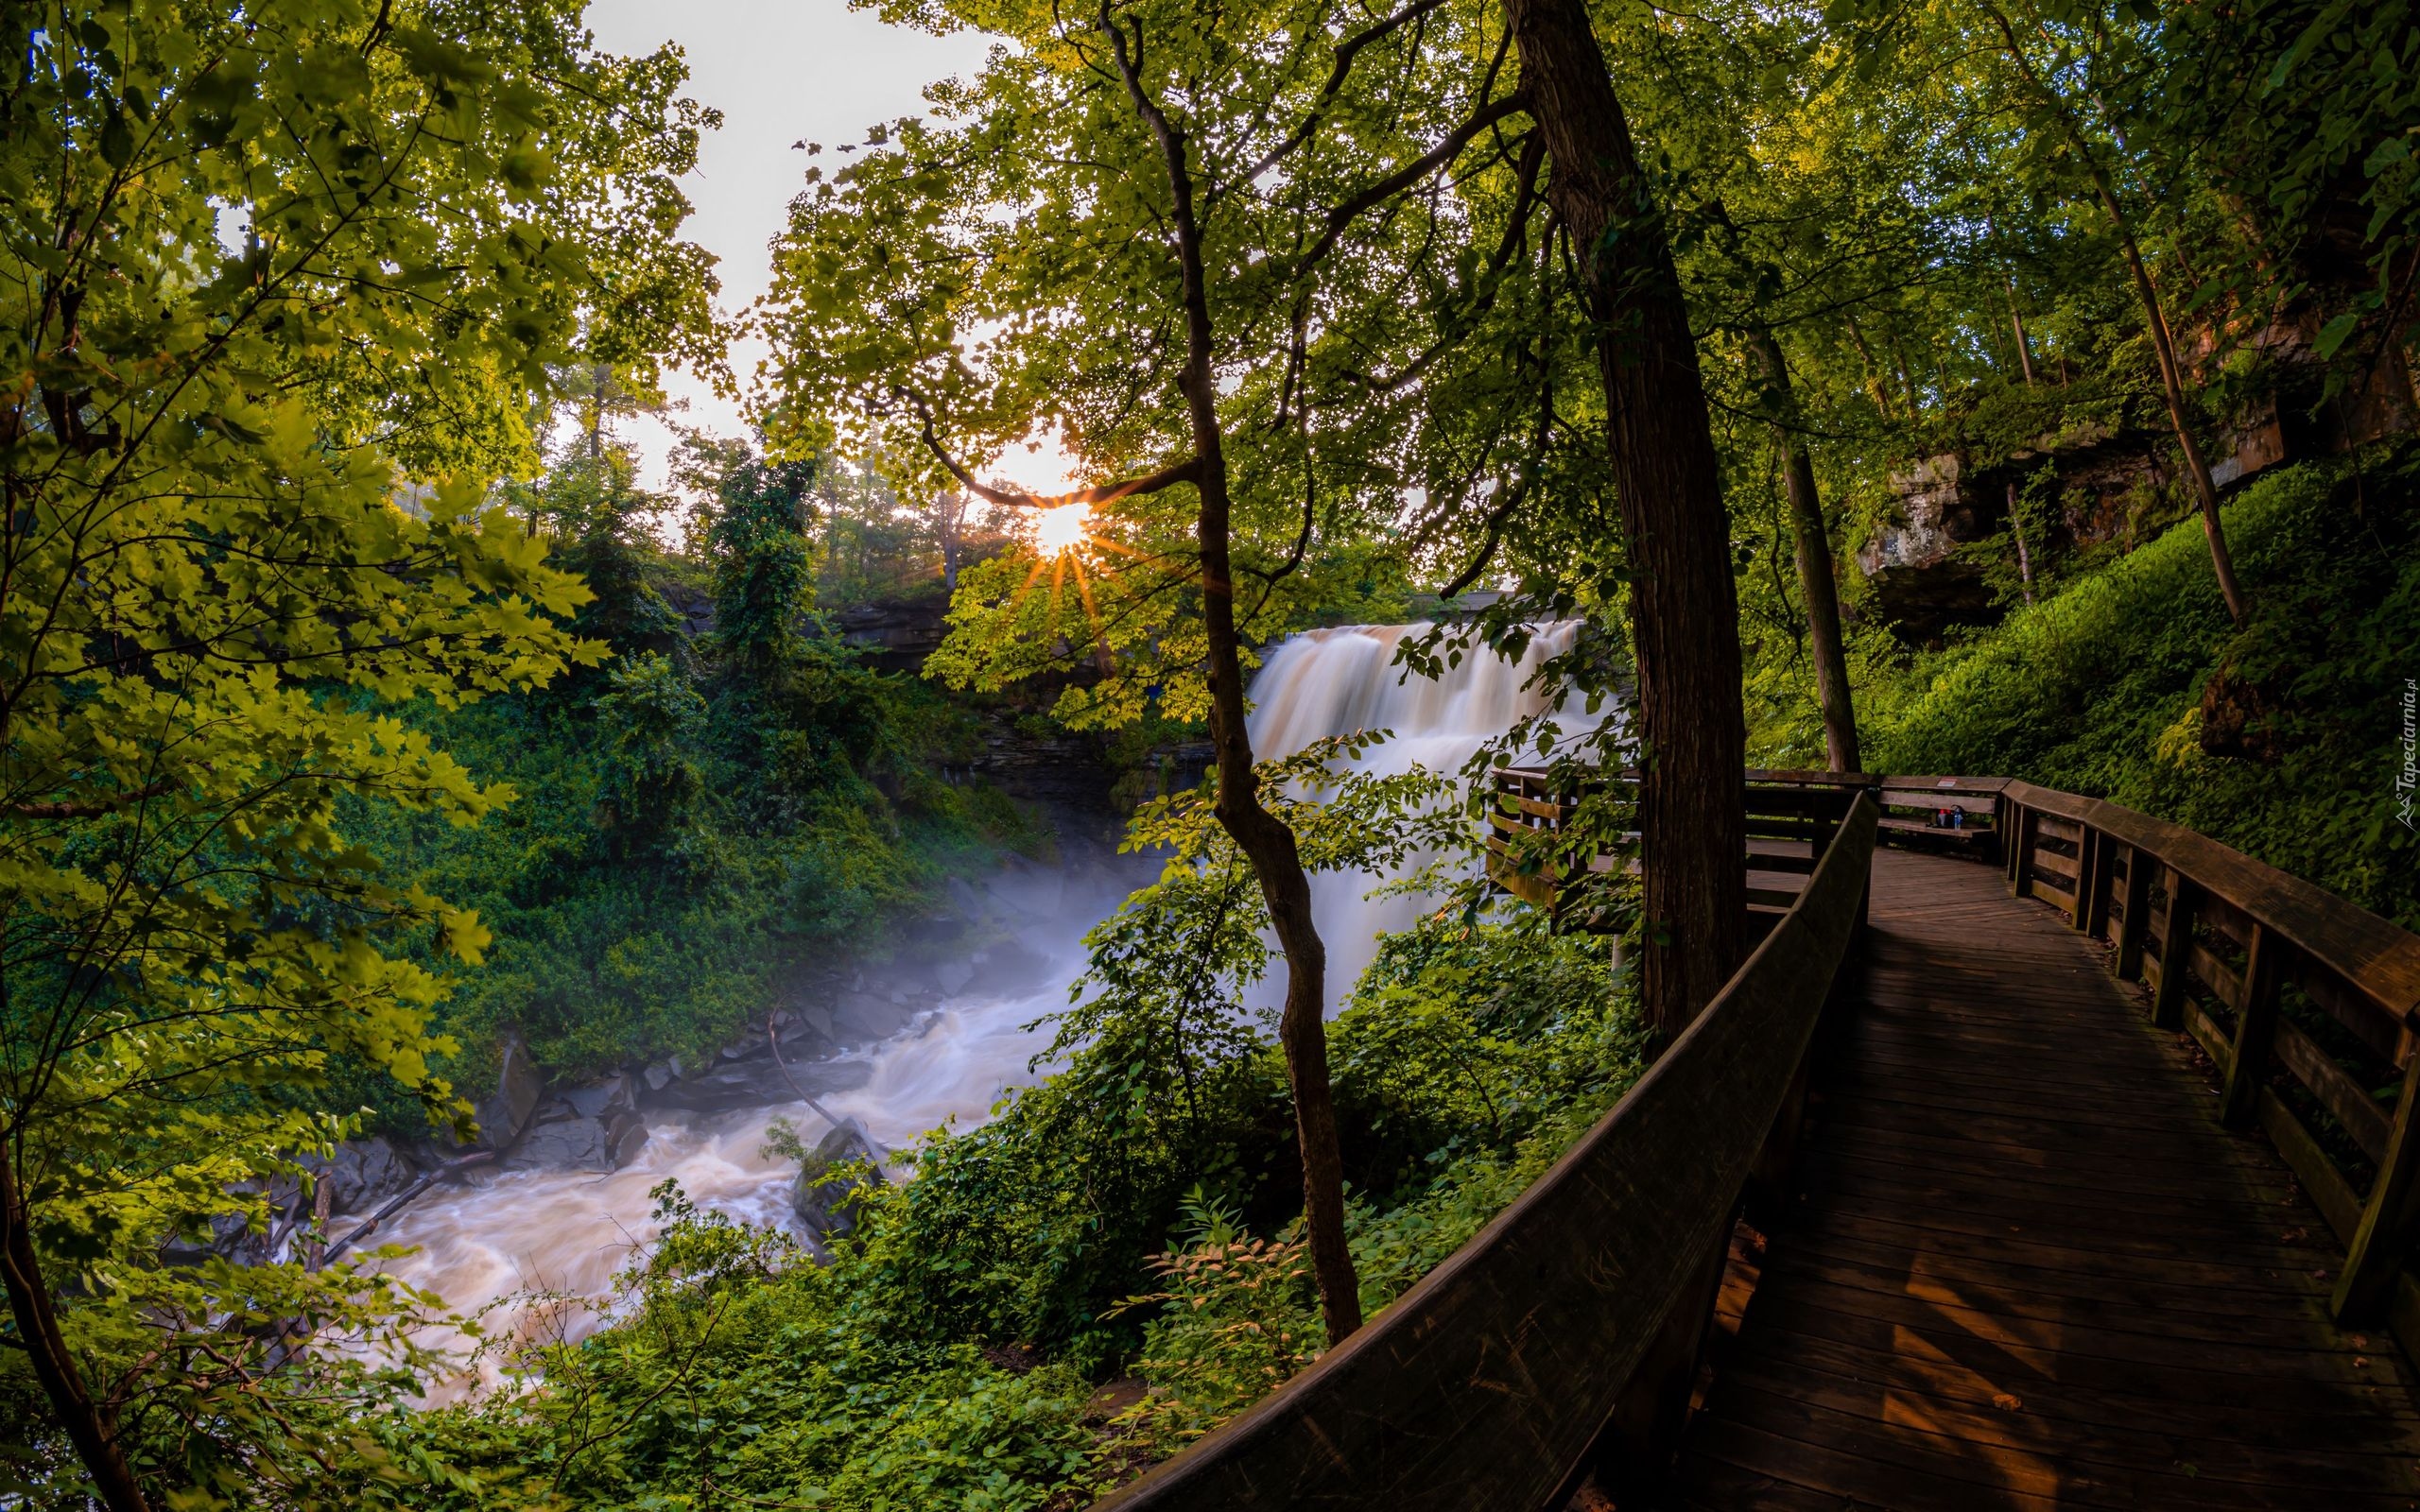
[
  {"x": 602, "y": 1099},
  {"x": 364, "y": 1174},
  {"x": 756, "y": 1081},
  {"x": 506, "y": 1111},
  {"x": 604, "y": 1142},
  {"x": 824, "y": 1201}
]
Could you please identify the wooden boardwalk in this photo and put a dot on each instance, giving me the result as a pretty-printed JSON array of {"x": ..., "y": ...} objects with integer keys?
[{"x": 2026, "y": 1269}]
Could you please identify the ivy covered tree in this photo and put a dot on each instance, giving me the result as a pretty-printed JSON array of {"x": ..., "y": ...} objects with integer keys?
[
  {"x": 764, "y": 561},
  {"x": 280, "y": 287}
]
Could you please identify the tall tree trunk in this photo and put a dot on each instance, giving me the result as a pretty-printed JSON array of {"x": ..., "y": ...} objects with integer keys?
[
  {"x": 1874, "y": 384},
  {"x": 2024, "y": 557},
  {"x": 2024, "y": 347},
  {"x": 89, "y": 1426},
  {"x": 1816, "y": 581},
  {"x": 1264, "y": 838},
  {"x": 2172, "y": 382},
  {"x": 2155, "y": 317},
  {"x": 1685, "y": 614}
]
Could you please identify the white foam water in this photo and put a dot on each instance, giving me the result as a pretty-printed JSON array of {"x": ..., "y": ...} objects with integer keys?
[{"x": 1337, "y": 681}]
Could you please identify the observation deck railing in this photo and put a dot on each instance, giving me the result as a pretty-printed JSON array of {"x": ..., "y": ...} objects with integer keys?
[
  {"x": 1567, "y": 1334},
  {"x": 2305, "y": 1004}
]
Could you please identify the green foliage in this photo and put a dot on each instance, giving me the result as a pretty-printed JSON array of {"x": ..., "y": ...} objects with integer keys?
[
  {"x": 248, "y": 520},
  {"x": 705, "y": 811},
  {"x": 2103, "y": 689},
  {"x": 940, "y": 1359},
  {"x": 650, "y": 724},
  {"x": 733, "y": 1364},
  {"x": 764, "y": 572},
  {"x": 910, "y": 317},
  {"x": 1236, "y": 1318},
  {"x": 1026, "y": 1229}
]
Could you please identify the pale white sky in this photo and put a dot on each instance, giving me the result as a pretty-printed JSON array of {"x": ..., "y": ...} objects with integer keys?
[{"x": 781, "y": 71}]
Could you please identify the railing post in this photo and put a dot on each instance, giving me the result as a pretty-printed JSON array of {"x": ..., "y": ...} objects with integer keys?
[
  {"x": 2004, "y": 812},
  {"x": 1632, "y": 1457},
  {"x": 2379, "y": 1244},
  {"x": 2136, "y": 901},
  {"x": 2175, "y": 943},
  {"x": 2092, "y": 883},
  {"x": 2255, "y": 1027},
  {"x": 2020, "y": 865}
]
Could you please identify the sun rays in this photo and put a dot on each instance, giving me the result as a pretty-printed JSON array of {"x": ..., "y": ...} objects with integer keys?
[
  {"x": 1062, "y": 538},
  {"x": 1061, "y": 528}
]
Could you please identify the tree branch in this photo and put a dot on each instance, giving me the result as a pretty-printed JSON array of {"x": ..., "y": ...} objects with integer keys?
[
  {"x": 1345, "y": 52},
  {"x": 1387, "y": 188},
  {"x": 83, "y": 808},
  {"x": 1188, "y": 470}
]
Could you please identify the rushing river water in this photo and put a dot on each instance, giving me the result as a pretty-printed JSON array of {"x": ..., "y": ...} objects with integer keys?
[{"x": 482, "y": 1245}]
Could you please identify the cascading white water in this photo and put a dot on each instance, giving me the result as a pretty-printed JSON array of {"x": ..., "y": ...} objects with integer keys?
[
  {"x": 567, "y": 1232},
  {"x": 1334, "y": 682}
]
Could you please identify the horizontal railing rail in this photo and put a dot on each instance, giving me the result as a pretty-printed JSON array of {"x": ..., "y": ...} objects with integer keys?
[
  {"x": 1565, "y": 1334},
  {"x": 1790, "y": 820},
  {"x": 2307, "y": 1004}
]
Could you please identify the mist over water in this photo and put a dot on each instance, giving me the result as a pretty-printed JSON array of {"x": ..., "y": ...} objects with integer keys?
[{"x": 483, "y": 1243}]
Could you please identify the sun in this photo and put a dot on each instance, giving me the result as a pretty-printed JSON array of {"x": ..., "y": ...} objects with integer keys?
[{"x": 1061, "y": 528}]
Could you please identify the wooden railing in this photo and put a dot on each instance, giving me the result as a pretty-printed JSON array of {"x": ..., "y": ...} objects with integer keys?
[
  {"x": 1565, "y": 1334},
  {"x": 2305, "y": 1003},
  {"x": 1790, "y": 816}
]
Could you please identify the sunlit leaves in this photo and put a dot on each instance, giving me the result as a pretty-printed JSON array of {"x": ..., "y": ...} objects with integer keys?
[{"x": 280, "y": 287}]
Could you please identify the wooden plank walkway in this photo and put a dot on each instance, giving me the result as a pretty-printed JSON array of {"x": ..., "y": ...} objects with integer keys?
[{"x": 2026, "y": 1269}]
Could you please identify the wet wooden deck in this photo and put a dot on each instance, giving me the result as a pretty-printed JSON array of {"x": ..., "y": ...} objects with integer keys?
[{"x": 2026, "y": 1269}]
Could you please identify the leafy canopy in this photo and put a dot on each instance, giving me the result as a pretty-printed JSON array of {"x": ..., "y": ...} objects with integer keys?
[{"x": 280, "y": 290}]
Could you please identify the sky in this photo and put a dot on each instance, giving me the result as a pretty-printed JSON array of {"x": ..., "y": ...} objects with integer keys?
[{"x": 781, "y": 71}]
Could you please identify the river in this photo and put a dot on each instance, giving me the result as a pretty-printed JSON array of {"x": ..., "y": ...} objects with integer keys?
[{"x": 491, "y": 1243}]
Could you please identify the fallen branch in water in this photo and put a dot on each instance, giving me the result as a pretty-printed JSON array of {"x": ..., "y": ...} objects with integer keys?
[
  {"x": 881, "y": 1151},
  {"x": 395, "y": 1204},
  {"x": 773, "y": 1038}
]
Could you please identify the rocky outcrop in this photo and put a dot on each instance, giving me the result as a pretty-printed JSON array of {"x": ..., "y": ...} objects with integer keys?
[
  {"x": 505, "y": 1112},
  {"x": 894, "y": 634},
  {"x": 2114, "y": 462},
  {"x": 590, "y": 1129},
  {"x": 1920, "y": 584},
  {"x": 2115, "y": 485},
  {"x": 823, "y": 1202},
  {"x": 363, "y": 1174}
]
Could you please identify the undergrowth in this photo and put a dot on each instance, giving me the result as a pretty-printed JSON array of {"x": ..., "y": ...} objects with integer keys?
[{"x": 2282, "y": 737}]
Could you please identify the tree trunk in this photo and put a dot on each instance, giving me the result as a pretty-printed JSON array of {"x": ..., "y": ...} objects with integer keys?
[
  {"x": 2155, "y": 317},
  {"x": 89, "y": 1427},
  {"x": 2171, "y": 380},
  {"x": 1874, "y": 384},
  {"x": 2024, "y": 557},
  {"x": 1264, "y": 838},
  {"x": 1816, "y": 581},
  {"x": 1684, "y": 608},
  {"x": 2024, "y": 346}
]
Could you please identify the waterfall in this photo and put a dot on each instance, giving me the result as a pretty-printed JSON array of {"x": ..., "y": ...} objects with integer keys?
[
  {"x": 1337, "y": 681},
  {"x": 482, "y": 1244}
]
